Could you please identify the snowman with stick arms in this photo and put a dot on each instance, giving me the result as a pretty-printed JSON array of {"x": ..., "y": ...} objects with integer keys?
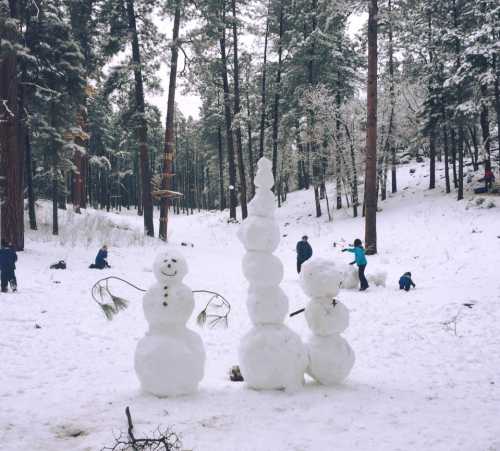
[{"x": 170, "y": 358}]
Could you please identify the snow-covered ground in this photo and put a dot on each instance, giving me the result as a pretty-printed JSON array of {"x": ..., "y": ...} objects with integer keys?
[{"x": 66, "y": 373}]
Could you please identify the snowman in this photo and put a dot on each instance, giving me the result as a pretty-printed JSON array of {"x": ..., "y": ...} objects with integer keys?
[
  {"x": 271, "y": 355},
  {"x": 170, "y": 358},
  {"x": 330, "y": 356}
]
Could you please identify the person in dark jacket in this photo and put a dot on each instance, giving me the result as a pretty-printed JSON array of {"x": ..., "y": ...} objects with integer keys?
[
  {"x": 8, "y": 258},
  {"x": 489, "y": 178},
  {"x": 360, "y": 260},
  {"x": 405, "y": 282},
  {"x": 304, "y": 252},
  {"x": 100, "y": 260}
]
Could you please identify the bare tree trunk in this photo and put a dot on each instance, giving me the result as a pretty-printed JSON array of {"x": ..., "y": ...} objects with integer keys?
[
  {"x": 29, "y": 181},
  {"x": 432, "y": 159},
  {"x": 141, "y": 129},
  {"x": 264, "y": 89},
  {"x": 485, "y": 124},
  {"x": 222, "y": 195},
  {"x": 228, "y": 117},
  {"x": 446, "y": 158},
  {"x": 496, "y": 69},
  {"x": 169, "y": 152},
  {"x": 251, "y": 163},
  {"x": 460, "y": 195},
  {"x": 392, "y": 95},
  {"x": 11, "y": 147},
  {"x": 277, "y": 96},
  {"x": 237, "y": 113},
  {"x": 371, "y": 134}
]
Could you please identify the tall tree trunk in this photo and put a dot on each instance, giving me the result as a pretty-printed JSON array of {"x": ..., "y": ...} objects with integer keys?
[
  {"x": 277, "y": 97},
  {"x": 371, "y": 134},
  {"x": 251, "y": 163},
  {"x": 222, "y": 194},
  {"x": 338, "y": 167},
  {"x": 263, "y": 89},
  {"x": 228, "y": 117},
  {"x": 11, "y": 146},
  {"x": 432, "y": 159},
  {"x": 496, "y": 69},
  {"x": 29, "y": 181},
  {"x": 169, "y": 151},
  {"x": 446, "y": 158},
  {"x": 454, "y": 156},
  {"x": 141, "y": 128},
  {"x": 237, "y": 113},
  {"x": 392, "y": 95},
  {"x": 485, "y": 124},
  {"x": 460, "y": 195}
]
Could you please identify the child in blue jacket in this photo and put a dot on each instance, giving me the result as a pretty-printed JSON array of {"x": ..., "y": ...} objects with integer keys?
[
  {"x": 405, "y": 282},
  {"x": 360, "y": 260}
]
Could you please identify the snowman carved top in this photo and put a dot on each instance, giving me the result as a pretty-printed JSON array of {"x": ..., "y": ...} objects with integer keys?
[
  {"x": 170, "y": 358},
  {"x": 330, "y": 356}
]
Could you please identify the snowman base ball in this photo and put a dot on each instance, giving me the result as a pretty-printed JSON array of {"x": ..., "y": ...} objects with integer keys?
[
  {"x": 272, "y": 357},
  {"x": 170, "y": 364},
  {"x": 330, "y": 359}
]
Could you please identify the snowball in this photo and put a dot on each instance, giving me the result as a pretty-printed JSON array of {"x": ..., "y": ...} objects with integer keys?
[
  {"x": 262, "y": 269},
  {"x": 264, "y": 177},
  {"x": 324, "y": 318},
  {"x": 272, "y": 357},
  {"x": 170, "y": 364},
  {"x": 170, "y": 266},
  {"x": 263, "y": 204},
  {"x": 330, "y": 359},
  {"x": 320, "y": 278},
  {"x": 378, "y": 278},
  {"x": 259, "y": 234},
  {"x": 167, "y": 304},
  {"x": 350, "y": 278},
  {"x": 267, "y": 305}
]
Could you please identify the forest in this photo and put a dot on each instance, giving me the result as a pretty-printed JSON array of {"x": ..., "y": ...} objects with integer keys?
[{"x": 285, "y": 79}]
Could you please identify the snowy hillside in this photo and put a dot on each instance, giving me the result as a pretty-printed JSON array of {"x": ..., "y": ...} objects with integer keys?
[{"x": 427, "y": 371}]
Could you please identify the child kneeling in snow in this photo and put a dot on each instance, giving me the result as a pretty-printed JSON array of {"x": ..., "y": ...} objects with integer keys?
[{"x": 405, "y": 282}]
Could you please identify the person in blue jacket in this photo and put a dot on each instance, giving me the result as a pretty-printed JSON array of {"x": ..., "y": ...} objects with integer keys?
[
  {"x": 100, "y": 260},
  {"x": 304, "y": 252},
  {"x": 405, "y": 282},
  {"x": 360, "y": 260},
  {"x": 8, "y": 258}
]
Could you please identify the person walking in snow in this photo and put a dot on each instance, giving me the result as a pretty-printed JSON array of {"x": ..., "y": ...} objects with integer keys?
[
  {"x": 405, "y": 282},
  {"x": 100, "y": 260},
  {"x": 304, "y": 252},
  {"x": 8, "y": 258},
  {"x": 360, "y": 260},
  {"x": 489, "y": 178}
]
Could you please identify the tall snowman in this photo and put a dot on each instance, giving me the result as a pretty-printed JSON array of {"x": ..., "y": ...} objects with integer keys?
[
  {"x": 271, "y": 356},
  {"x": 170, "y": 358},
  {"x": 330, "y": 356}
]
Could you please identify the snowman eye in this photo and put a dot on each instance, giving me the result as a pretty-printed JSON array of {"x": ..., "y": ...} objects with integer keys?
[
  {"x": 164, "y": 261},
  {"x": 174, "y": 260}
]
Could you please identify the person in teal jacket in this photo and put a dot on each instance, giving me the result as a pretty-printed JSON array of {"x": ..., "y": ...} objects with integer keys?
[{"x": 360, "y": 260}]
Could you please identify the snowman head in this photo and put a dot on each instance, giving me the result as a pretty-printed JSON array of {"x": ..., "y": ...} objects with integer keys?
[
  {"x": 320, "y": 278},
  {"x": 170, "y": 266}
]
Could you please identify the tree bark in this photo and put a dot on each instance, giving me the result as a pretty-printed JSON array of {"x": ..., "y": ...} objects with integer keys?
[
  {"x": 277, "y": 97},
  {"x": 237, "y": 114},
  {"x": 263, "y": 90},
  {"x": 228, "y": 117},
  {"x": 371, "y": 134},
  {"x": 11, "y": 146},
  {"x": 141, "y": 130},
  {"x": 169, "y": 150}
]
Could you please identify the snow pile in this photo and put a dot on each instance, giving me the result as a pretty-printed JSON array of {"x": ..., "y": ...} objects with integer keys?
[
  {"x": 271, "y": 355},
  {"x": 170, "y": 358},
  {"x": 330, "y": 356},
  {"x": 350, "y": 278}
]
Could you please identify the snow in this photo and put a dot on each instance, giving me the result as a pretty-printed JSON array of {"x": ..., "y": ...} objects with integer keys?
[
  {"x": 169, "y": 359},
  {"x": 416, "y": 384}
]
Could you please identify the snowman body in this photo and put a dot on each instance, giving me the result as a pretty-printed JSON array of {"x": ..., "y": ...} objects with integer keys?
[
  {"x": 170, "y": 358},
  {"x": 271, "y": 356},
  {"x": 330, "y": 356}
]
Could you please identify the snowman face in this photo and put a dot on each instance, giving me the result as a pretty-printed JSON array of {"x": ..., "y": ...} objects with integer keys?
[
  {"x": 320, "y": 278},
  {"x": 170, "y": 266}
]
